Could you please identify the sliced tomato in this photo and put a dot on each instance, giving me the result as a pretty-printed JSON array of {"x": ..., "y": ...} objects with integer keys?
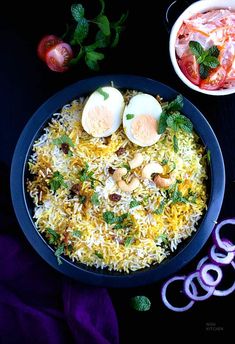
[
  {"x": 190, "y": 68},
  {"x": 58, "y": 57},
  {"x": 46, "y": 43},
  {"x": 215, "y": 80}
]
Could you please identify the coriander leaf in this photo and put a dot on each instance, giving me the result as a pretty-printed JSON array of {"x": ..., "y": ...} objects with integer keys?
[
  {"x": 63, "y": 139},
  {"x": 53, "y": 235},
  {"x": 77, "y": 11},
  {"x": 140, "y": 303},
  {"x": 78, "y": 57},
  {"x": 175, "y": 144},
  {"x": 59, "y": 251},
  {"x": 127, "y": 166},
  {"x": 204, "y": 71},
  {"x": 92, "y": 58},
  {"x": 196, "y": 48},
  {"x": 102, "y": 41},
  {"x": 129, "y": 116},
  {"x": 57, "y": 181},
  {"x": 77, "y": 233},
  {"x": 176, "y": 104},
  {"x": 95, "y": 199},
  {"x": 118, "y": 28},
  {"x": 103, "y": 24},
  {"x": 80, "y": 32},
  {"x": 103, "y": 93},
  {"x": 109, "y": 217},
  {"x": 162, "y": 125},
  {"x": 82, "y": 199},
  {"x": 214, "y": 51},
  {"x": 160, "y": 208},
  {"x": 202, "y": 58},
  {"x": 164, "y": 162},
  {"x": 164, "y": 239},
  {"x": 129, "y": 240},
  {"x": 208, "y": 154},
  {"x": 211, "y": 61},
  {"x": 134, "y": 203},
  {"x": 99, "y": 255}
]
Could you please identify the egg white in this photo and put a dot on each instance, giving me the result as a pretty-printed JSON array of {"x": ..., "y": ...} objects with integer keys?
[
  {"x": 143, "y": 105},
  {"x": 102, "y": 117}
]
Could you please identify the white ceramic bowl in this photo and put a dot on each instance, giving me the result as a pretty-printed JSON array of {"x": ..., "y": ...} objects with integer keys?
[{"x": 198, "y": 6}]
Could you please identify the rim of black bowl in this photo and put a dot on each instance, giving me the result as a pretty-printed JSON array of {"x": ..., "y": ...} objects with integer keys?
[{"x": 186, "y": 251}]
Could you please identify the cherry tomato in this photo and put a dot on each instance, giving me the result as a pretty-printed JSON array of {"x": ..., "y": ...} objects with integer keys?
[
  {"x": 58, "y": 57},
  {"x": 46, "y": 43},
  {"x": 190, "y": 68},
  {"x": 215, "y": 79}
]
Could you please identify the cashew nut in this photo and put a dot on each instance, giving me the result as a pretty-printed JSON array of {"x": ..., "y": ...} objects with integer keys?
[
  {"x": 149, "y": 169},
  {"x": 136, "y": 161},
  {"x": 134, "y": 183},
  {"x": 163, "y": 182},
  {"x": 119, "y": 173}
]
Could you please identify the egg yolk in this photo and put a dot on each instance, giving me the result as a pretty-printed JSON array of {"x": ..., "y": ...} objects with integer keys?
[
  {"x": 99, "y": 120},
  {"x": 144, "y": 129}
]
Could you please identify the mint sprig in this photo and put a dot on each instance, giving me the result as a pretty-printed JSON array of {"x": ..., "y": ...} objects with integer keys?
[
  {"x": 207, "y": 59},
  {"x": 140, "y": 303},
  {"x": 108, "y": 34}
]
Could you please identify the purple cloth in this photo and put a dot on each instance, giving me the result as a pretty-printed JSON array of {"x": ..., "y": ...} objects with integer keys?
[{"x": 38, "y": 305}]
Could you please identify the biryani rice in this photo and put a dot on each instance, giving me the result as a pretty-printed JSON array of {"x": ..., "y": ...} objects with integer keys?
[{"x": 81, "y": 228}]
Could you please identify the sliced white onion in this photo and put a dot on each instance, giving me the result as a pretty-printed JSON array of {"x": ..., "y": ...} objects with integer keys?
[
  {"x": 217, "y": 239},
  {"x": 214, "y": 256},
  {"x": 167, "y": 303},
  {"x": 206, "y": 276},
  {"x": 191, "y": 293},
  {"x": 201, "y": 262}
]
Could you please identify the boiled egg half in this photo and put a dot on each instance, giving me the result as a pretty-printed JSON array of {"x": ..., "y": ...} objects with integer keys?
[
  {"x": 140, "y": 119},
  {"x": 102, "y": 113}
]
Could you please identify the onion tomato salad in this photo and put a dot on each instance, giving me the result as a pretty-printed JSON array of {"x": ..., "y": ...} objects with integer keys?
[
  {"x": 205, "y": 280},
  {"x": 205, "y": 49}
]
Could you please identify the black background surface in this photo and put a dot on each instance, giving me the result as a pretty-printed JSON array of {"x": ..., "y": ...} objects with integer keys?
[{"x": 143, "y": 50}]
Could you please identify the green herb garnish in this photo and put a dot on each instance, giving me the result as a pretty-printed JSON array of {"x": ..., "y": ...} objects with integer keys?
[
  {"x": 82, "y": 199},
  {"x": 164, "y": 162},
  {"x": 164, "y": 239},
  {"x": 57, "y": 181},
  {"x": 207, "y": 59},
  {"x": 119, "y": 221},
  {"x": 129, "y": 116},
  {"x": 208, "y": 154},
  {"x": 95, "y": 199},
  {"x": 99, "y": 255},
  {"x": 175, "y": 144},
  {"x": 53, "y": 235},
  {"x": 161, "y": 207},
  {"x": 106, "y": 33},
  {"x": 77, "y": 233},
  {"x": 140, "y": 303},
  {"x": 103, "y": 93},
  {"x": 86, "y": 175},
  {"x": 129, "y": 240},
  {"x": 59, "y": 251},
  {"x": 63, "y": 139},
  {"x": 134, "y": 203}
]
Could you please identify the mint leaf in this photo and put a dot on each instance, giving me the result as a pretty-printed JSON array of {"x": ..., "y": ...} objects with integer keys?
[
  {"x": 175, "y": 105},
  {"x": 99, "y": 255},
  {"x": 196, "y": 48},
  {"x": 59, "y": 251},
  {"x": 77, "y": 233},
  {"x": 162, "y": 124},
  {"x": 81, "y": 31},
  {"x": 160, "y": 208},
  {"x": 211, "y": 61},
  {"x": 77, "y": 11},
  {"x": 175, "y": 144},
  {"x": 129, "y": 116},
  {"x": 164, "y": 239},
  {"x": 214, "y": 51},
  {"x": 103, "y": 24},
  {"x": 102, "y": 41},
  {"x": 92, "y": 58},
  {"x": 204, "y": 71},
  {"x": 103, "y": 93},
  {"x": 177, "y": 121},
  {"x": 140, "y": 303},
  {"x": 95, "y": 199},
  {"x": 134, "y": 203}
]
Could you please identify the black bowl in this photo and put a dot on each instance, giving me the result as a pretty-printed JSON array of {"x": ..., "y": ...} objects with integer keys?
[{"x": 24, "y": 207}]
